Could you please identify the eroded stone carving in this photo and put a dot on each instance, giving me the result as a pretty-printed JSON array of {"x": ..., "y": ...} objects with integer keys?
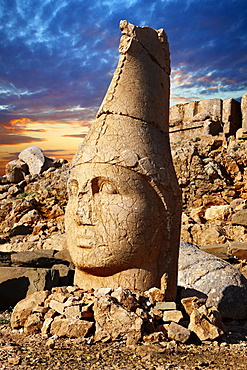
[{"x": 123, "y": 215}]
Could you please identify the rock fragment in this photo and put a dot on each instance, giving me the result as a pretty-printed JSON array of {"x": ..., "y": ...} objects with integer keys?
[
  {"x": 34, "y": 158},
  {"x": 178, "y": 333}
]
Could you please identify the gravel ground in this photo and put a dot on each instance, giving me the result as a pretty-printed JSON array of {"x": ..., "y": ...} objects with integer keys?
[{"x": 19, "y": 351}]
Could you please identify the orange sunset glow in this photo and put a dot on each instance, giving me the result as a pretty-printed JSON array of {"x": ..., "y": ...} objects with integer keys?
[{"x": 56, "y": 139}]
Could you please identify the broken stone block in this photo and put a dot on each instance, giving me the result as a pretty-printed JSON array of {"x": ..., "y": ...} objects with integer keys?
[
  {"x": 178, "y": 333},
  {"x": 73, "y": 311},
  {"x": 34, "y": 158},
  {"x": 33, "y": 258},
  {"x": 24, "y": 308},
  {"x": 231, "y": 117},
  {"x": 212, "y": 108},
  {"x": 172, "y": 315},
  {"x": 176, "y": 115},
  {"x": 50, "y": 314},
  {"x": 154, "y": 295},
  {"x": 241, "y": 134},
  {"x": 126, "y": 298},
  {"x": 46, "y": 326},
  {"x": 16, "y": 171},
  {"x": 190, "y": 303},
  {"x": 239, "y": 250},
  {"x": 33, "y": 324},
  {"x": 22, "y": 281},
  {"x": 101, "y": 292},
  {"x": 57, "y": 306},
  {"x": 164, "y": 306},
  {"x": 40, "y": 309},
  {"x": 115, "y": 322},
  {"x": 190, "y": 111},
  {"x": 203, "y": 327},
  {"x": 70, "y": 328},
  {"x": 240, "y": 218}
]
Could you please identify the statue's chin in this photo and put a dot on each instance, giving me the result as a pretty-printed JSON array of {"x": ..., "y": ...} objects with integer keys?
[{"x": 102, "y": 271}]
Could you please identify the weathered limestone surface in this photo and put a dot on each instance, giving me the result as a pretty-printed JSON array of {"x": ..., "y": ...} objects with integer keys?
[
  {"x": 209, "y": 276},
  {"x": 123, "y": 215}
]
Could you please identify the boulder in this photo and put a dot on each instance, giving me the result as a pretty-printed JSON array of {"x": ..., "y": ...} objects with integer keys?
[
  {"x": 24, "y": 308},
  {"x": 71, "y": 328},
  {"x": 16, "y": 171},
  {"x": 207, "y": 276},
  {"x": 178, "y": 333},
  {"x": 34, "y": 158}
]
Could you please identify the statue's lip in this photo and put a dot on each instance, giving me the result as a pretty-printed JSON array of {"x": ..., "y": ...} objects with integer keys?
[{"x": 87, "y": 245}]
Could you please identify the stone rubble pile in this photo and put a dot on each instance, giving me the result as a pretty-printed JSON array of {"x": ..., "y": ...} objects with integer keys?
[
  {"x": 212, "y": 174},
  {"x": 32, "y": 210},
  {"x": 106, "y": 315}
]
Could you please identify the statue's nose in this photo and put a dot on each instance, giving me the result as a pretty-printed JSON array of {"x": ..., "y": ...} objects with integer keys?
[{"x": 84, "y": 211}]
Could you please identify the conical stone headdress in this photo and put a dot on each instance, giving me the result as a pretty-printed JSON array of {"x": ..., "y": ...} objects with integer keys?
[{"x": 131, "y": 129}]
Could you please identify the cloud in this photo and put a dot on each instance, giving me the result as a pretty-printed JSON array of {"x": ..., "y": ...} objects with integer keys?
[
  {"x": 57, "y": 57},
  {"x": 18, "y": 139},
  {"x": 182, "y": 99},
  {"x": 75, "y": 135}
]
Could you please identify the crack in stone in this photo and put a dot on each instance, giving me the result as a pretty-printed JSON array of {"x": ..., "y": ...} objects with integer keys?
[{"x": 152, "y": 123}]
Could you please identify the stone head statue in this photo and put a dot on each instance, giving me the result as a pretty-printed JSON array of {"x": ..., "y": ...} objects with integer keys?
[{"x": 123, "y": 215}]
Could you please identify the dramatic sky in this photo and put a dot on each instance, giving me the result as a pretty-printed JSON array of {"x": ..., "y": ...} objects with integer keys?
[{"x": 57, "y": 58}]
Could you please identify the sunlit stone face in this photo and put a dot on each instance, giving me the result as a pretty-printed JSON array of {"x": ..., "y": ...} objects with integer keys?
[{"x": 114, "y": 220}]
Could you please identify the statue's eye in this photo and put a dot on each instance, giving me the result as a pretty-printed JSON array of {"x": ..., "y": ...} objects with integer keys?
[
  {"x": 103, "y": 185},
  {"x": 73, "y": 187},
  {"x": 107, "y": 187}
]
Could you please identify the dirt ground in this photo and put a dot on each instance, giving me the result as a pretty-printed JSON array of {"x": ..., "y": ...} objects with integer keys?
[{"x": 19, "y": 351}]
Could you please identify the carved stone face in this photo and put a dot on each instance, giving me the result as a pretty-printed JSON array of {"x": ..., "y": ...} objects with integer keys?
[{"x": 113, "y": 219}]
